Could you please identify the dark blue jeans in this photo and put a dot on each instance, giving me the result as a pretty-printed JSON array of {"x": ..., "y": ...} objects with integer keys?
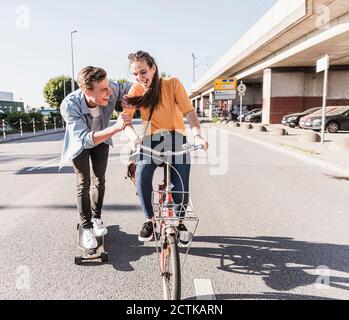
[{"x": 147, "y": 165}]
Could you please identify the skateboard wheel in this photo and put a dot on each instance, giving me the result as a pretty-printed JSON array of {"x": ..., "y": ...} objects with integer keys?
[
  {"x": 104, "y": 257},
  {"x": 92, "y": 252},
  {"x": 78, "y": 261}
]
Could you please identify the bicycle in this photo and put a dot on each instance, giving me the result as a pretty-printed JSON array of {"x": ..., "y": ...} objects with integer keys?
[{"x": 166, "y": 233}]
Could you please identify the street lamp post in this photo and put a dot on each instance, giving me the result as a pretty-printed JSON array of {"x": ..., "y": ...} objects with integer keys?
[
  {"x": 195, "y": 65},
  {"x": 72, "y": 60},
  {"x": 65, "y": 94}
]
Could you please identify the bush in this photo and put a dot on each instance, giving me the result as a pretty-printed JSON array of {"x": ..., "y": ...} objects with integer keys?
[
  {"x": 115, "y": 115},
  {"x": 50, "y": 120},
  {"x": 13, "y": 120}
]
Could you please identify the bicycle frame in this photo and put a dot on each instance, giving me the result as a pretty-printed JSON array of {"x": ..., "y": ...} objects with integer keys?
[{"x": 163, "y": 206}]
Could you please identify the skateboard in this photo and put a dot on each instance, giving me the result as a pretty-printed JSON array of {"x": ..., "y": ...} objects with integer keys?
[{"x": 90, "y": 254}]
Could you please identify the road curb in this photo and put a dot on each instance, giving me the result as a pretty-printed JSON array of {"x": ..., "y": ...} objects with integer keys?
[
  {"x": 31, "y": 136},
  {"x": 295, "y": 154}
]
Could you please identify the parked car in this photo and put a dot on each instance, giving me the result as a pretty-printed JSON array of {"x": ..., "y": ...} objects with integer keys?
[
  {"x": 254, "y": 117},
  {"x": 216, "y": 111},
  {"x": 292, "y": 120},
  {"x": 303, "y": 120},
  {"x": 243, "y": 116},
  {"x": 337, "y": 119}
]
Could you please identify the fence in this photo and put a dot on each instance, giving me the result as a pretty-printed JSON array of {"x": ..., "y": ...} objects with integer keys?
[{"x": 18, "y": 127}]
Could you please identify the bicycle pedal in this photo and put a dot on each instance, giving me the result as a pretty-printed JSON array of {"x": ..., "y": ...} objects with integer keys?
[{"x": 185, "y": 237}]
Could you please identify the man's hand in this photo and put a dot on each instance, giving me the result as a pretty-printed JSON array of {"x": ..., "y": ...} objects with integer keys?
[
  {"x": 123, "y": 121},
  {"x": 199, "y": 140}
]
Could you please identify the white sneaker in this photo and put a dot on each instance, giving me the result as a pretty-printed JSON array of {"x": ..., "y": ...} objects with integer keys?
[
  {"x": 98, "y": 228},
  {"x": 88, "y": 239}
]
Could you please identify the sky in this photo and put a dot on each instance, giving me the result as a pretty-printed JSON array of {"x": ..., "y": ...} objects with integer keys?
[{"x": 35, "y": 37}]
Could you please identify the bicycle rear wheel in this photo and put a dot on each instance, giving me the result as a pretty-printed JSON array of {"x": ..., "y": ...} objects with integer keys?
[{"x": 170, "y": 267}]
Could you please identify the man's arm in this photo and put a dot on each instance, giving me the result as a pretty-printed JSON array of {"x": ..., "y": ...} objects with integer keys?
[
  {"x": 103, "y": 135},
  {"x": 76, "y": 124},
  {"x": 118, "y": 91}
]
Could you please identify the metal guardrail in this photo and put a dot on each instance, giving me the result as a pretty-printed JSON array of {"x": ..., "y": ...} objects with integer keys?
[{"x": 45, "y": 123}]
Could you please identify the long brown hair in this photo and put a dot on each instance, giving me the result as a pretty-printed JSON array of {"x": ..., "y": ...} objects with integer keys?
[{"x": 152, "y": 97}]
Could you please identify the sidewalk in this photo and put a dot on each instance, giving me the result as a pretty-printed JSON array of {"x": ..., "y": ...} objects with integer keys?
[
  {"x": 327, "y": 156},
  {"x": 27, "y": 135}
]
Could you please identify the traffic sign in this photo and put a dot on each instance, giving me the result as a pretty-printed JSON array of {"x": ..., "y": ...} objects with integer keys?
[
  {"x": 225, "y": 89},
  {"x": 225, "y": 84},
  {"x": 323, "y": 64},
  {"x": 242, "y": 89}
]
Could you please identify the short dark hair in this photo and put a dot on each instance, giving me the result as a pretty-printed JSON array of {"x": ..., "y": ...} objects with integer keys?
[{"x": 89, "y": 75}]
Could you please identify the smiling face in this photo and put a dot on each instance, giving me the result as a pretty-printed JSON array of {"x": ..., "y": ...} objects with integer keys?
[
  {"x": 143, "y": 73},
  {"x": 100, "y": 94}
]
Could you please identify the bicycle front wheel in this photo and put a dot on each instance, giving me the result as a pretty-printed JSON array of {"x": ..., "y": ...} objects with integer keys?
[{"x": 170, "y": 267}]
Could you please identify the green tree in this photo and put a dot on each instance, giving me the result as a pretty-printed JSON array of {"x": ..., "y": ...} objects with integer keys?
[
  {"x": 120, "y": 80},
  {"x": 164, "y": 75},
  {"x": 54, "y": 90}
]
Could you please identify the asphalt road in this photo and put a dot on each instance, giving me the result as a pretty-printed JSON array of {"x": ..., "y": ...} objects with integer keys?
[{"x": 271, "y": 227}]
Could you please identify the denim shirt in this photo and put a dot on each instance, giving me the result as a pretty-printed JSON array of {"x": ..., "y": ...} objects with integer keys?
[{"x": 76, "y": 114}]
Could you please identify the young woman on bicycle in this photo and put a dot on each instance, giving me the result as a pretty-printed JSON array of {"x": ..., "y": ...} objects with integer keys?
[{"x": 162, "y": 103}]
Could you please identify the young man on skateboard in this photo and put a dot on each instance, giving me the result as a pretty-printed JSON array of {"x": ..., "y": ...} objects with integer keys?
[{"x": 87, "y": 113}]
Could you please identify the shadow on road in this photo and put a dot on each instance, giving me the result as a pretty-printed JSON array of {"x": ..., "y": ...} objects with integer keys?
[
  {"x": 125, "y": 248},
  {"x": 45, "y": 170},
  {"x": 45, "y": 138},
  {"x": 283, "y": 263},
  {"x": 31, "y": 157},
  {"x": 117, "y": 208},
  {"x": 265, "y": 296}
]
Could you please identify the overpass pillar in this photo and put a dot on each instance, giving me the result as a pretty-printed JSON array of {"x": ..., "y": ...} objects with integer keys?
[{"x": 211, "y": 105}]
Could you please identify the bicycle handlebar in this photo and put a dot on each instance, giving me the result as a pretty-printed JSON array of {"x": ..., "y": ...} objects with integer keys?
[{"x": 186, "y": 149}]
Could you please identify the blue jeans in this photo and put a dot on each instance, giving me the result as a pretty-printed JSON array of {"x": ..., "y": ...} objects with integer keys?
[{"x": 147, "y": 165}]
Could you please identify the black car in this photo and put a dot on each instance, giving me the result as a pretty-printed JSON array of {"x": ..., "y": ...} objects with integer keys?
[
  {"x": 292, "y": 120},
  {"x": 243, "y": 116},
  {"x": 254, "y": 117},
  {"x": 336, "y": 120}
]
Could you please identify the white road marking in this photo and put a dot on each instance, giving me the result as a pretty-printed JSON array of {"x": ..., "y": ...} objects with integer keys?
[
  {"x": 204, "y": 289},
  {"x": 42, "y": 165}
]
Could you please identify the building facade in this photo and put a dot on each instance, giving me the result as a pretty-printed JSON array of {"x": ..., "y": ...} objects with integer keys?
[{"x": 7, "y": 103}]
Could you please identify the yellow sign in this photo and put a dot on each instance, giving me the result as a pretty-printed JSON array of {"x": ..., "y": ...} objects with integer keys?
[{"x": 225, "y": 84}]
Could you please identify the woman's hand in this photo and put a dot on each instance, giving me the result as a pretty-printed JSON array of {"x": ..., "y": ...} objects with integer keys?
[
  {"x": 199, "y": 140},
  {"x": 125, "y": 104}
]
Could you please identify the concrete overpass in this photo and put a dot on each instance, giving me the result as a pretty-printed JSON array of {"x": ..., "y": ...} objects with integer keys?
[{"x": 277, "y": 59}]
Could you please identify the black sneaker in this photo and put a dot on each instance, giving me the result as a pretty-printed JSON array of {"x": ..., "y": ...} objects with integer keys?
[
  {"x": 146, "y": 233},
  {"x": 184, "y": 236}
]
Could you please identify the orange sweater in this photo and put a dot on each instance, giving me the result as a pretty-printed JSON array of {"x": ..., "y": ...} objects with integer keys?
[{"x": 168, "y": 115}]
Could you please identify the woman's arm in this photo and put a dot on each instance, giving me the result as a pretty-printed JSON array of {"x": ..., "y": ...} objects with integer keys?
[{"x": 196, "y": 128}]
